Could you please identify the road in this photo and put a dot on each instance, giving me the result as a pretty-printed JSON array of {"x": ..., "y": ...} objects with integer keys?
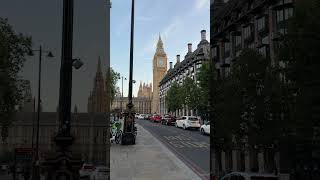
[{"x": 188, "y": 145}]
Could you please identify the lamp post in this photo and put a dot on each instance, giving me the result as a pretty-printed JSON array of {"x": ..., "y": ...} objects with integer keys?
[
  {"x": 129, "y": 136},
  {"x": 64, "y": 164},
  {"x": 36, "y": 173},
  {"x": 122, "y": 92}
]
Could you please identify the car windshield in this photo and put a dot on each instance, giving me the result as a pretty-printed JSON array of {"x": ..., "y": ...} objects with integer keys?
[
  {"x": 263, "y": 178},
  {"x": 193, "y": 119}
]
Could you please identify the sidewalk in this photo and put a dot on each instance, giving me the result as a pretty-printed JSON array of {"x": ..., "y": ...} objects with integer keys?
[{"x": 148, "y": 159}]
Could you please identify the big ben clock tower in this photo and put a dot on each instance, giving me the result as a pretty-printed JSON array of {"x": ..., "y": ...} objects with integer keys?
[{"x": 159, "y": 65}]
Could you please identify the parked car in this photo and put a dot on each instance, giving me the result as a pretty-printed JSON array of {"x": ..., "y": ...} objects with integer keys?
[
  {"x": 205, "y": 128},
  {"x": 141, "y": 116},
  {"x": 188, "y": 122},
  {"x": 148, "y": 117},
  {"x": 156, "y": 118},
  {"x": 99, "y": 173},
  {"x": 86, "y": 170},
  {"x": 136, "y": 115},
  {"x": 249, "y": 176},
  {"x": 168, "y": 120}
]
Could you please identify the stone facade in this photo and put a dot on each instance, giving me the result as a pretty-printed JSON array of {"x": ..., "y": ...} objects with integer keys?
[
  {"x": 145, "y": 90},
  {"x": 235, "y": 25},
  {"x": 89, "y": 130},
  {"x": 189, "y": 67},
  {"x": 142, "y": 105},
  {"x": 97, "y": 101},
  {"x": 159, "y": 65}
]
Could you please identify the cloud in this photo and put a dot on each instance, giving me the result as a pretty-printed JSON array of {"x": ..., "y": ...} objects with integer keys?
[
  {"x": 167, "y": 31},
  {"x": 202, "y": 4}
]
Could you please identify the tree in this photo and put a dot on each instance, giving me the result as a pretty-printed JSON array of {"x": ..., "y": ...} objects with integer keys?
[
  {"x": 114, "y": 77},
  {"x": 190, "y": 93},
  {"x": 204, "y": 78},
  {"x": 300, "y": 52},
  {"x": 173, "y": 98},
  {"x": 13, "y": 49}
]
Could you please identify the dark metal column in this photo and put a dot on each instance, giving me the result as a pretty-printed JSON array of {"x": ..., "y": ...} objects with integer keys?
[
  {"x": 129, "y": 135},
  {"x": 64, "y": 164},
  {"x": 66, "y": 69}
]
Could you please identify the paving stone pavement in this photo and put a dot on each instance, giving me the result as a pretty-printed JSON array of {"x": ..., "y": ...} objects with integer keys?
[{"x": 148, "y": 159}]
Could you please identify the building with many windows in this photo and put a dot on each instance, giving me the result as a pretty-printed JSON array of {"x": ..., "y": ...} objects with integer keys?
[
  {"x": 188, "y": 67},
  {"x": 255, "y": 24}
]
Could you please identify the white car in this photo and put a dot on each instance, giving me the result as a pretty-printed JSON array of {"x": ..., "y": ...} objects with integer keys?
[
  {"x": 100, "y": 173},
  {"x": 187, "y": 122},
  {"x": 205, "y": 128},
  {"x": 141, "y": 116},
  {"x": 249, "y": 176},
  {"x": 86, "y": 170}
]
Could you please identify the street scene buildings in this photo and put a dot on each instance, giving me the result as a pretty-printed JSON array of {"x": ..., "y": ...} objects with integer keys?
[
  {"x": 187, "y": 67},
  {"x": 244, "y": 35}
]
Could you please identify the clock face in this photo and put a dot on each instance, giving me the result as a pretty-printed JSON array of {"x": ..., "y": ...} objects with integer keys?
[{"x": 160, "y": 62}]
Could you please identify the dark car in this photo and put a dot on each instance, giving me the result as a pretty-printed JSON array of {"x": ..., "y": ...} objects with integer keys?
[
  {"x": 156, "y": 118},
  {"x": 168, "y": 120}
]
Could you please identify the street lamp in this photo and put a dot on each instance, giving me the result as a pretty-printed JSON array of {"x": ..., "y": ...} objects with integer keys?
[
  {"x": 122, "y": 91},
  {"x": 128, "y": 135},
  {"x": 36, "y": 174}
]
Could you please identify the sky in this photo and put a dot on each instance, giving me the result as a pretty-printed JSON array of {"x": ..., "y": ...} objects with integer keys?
[
  {"x": 179, "y": 22},
  {"x": 42, "y": 19}
]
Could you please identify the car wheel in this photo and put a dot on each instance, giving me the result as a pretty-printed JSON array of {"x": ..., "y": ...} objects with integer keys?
[
  {"x": 184, "y": 127},
  {"x": 202, "y": 131}
]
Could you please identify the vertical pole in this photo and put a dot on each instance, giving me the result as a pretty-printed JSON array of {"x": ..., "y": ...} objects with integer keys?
[
  {"x": 33, "y": 121},
  {"x": 37, "y": 172},
  {"x": 121, "y": 94},
  {"x": 131, "y": 53},
  {"x": 66, "y": 69}
]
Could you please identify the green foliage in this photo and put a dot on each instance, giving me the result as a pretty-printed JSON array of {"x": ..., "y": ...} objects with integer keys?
[
  {"x": 249, "y": 102},
  {"x": 13, "y": 48},
  {"x": 300, "y": 51},
  {"x": 114, "y": 77},
  {"x": 173, "y": 98}
]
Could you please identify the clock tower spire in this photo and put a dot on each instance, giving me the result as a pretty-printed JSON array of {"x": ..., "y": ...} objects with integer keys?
[{"x": 159, "y": 69}]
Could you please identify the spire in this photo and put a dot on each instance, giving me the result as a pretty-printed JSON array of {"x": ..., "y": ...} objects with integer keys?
[
  {"x": 99, "y": 65},
  {"x": 75, "y": 109},
  {"x": 160, "y": 45}
]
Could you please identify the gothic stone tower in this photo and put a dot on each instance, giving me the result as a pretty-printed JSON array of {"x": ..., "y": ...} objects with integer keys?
[
  {"x": 159, "y": 69},
  {"x": 97, "y": 101}
]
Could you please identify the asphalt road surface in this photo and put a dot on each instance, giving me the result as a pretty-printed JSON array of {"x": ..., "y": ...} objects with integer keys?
[{"x": 188, "y": 145}]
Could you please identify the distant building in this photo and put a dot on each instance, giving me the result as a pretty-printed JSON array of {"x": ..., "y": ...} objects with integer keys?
[
  {"x": 145, "y": 90},
  {"x": 189, "y": 67},
  {"x": 159, "y": 66},
  {"x": 97, "y": 101},
  {"x": 89, "y": 130}
]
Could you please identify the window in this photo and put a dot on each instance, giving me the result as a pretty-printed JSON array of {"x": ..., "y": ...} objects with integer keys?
[
  {"x": 227, "y": 49},
  {"x": 284, "y": 14},
  {"x": 247, "y": 32},
  {"x": 261, "y": 23}
]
